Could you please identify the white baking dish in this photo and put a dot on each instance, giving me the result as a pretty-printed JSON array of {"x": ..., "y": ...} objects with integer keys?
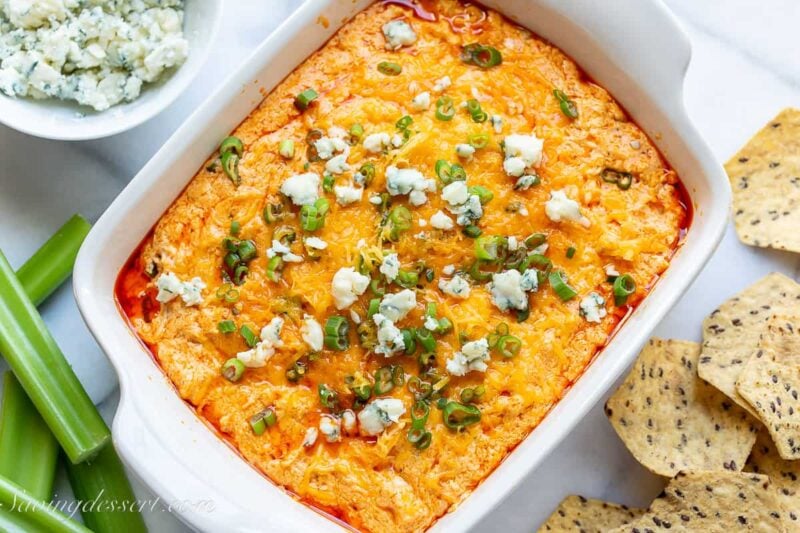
[{"x": 635, "y": 49}]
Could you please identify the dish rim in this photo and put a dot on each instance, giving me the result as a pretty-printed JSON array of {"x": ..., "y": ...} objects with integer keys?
[{"x": 708, "y": 227}]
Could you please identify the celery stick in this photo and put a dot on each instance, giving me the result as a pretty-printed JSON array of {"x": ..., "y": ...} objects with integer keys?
[
  {"x": 37, "y": 515},
  {"x": 44, "y": 373},
  {"x": 103, "y": 480},
  {"x": 28, "y": 451},
  {"x": 47, "y": 269}
]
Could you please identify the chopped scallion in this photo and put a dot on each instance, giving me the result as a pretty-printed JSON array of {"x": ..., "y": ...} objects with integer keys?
[
  {"x": 568, "y": 107},
  {"x": 336, "y": 329},
  {"x": 624, "y": 286},
  {"x": 559, "y": 285},
  {"x": 445, "y": 110},
  {"x": 233, "y": 370},
  {"x": 303, "y": 100},
  {"x": 226, "y": 326},
  {"x": 389, "y": 69}
]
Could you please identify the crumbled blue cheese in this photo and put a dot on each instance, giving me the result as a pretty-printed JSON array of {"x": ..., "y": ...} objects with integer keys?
[
  {"x": 316, "y": 243},
  {"x": 442, "y": 84},
  {"x": 355, "y": 317},
  {"x": 497, "y": 123},
  {"x": 379, "y": 414},
  {"x": 440, "y": 220},
  {"x": 346, "y": 194},
  {"x": 611, "y": 271},
  {"x": 278, "y": 248},
  {"x": 448, "y": 270},
  {"x": 457, "y": 286},
  {"x": 349, "y": 421},
  {"x": 529, "y": 282},
  {"x": 310, "y": 437},
  {"x": 390, "y": 338},
  {"x": 421, "y": 102},
  {"x": 398, "y": 140},
  {"x": 312, "y": 333},
  {"x": 302, "y": 189},
  {"x": 337, "y": 164},
  {"x": 431, "y": 323},
  {"x": 525, "y": 182},
  {"x": 398, "y": 33},
  {"x": 395, "y": 306},
  {"x": 456, "y": 193},
  {"x": 592, "y": 307},
  {"x": 559, "y": 207},
  {"x": 377, "y": 142},
  {"x": 468, "y": 212},
  {"x": 521, "y": 152},
  {"x": 327, "y": 147},
  {"x": 409, "y": 181},
  {"x": 258, "y": 356},
  {"x": 390, "y": 267},
  {"x": 170, "y": 287},
  {"x": 507, "y": 291},
  {"x": 473, "y": 356},
  {"x": 347, "y": 286},
  {"x": 513, "y": 243},
  {"x": 331, "y": 428},
  {"x": 465, "y": 151},
  {"x": 98, "y": 54}
]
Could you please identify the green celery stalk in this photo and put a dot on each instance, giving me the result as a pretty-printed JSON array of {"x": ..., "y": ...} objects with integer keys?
[
  {"x": 44, "y": 373},
  {"x": 33, "y": 514},
  {"x": 28, "y": 450},
  {"x": 103, "y": 480},
  {"x": 52, "y": 264}
]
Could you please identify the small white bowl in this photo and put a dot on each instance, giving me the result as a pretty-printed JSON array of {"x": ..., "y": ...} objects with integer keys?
[{"x": 68, "y": 121}]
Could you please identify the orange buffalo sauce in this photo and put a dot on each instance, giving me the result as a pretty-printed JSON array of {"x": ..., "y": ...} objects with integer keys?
[{"x": 383, "y": 482}]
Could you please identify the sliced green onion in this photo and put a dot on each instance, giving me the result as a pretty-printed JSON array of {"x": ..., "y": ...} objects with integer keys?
[
  {"x": 420, "y": 389},
  {"x": 535, "y": 240},
  {"x": 389, "y": 69},
  {"x": 384, "y": 381},
  {"x": 478, "y": 140},
  {"x": 336, "y": 329},
  {"x": 233, "y": 145},
  {"x": 444, "y": 325},
  {"x": 404, "y": 122},
  {"x": 570, "y": 252},
  {"x": 273, "y": 213},
  {"x": 304, "y": 99},
  {"x": 374, "y": 307},
  {"x": 239, "y": 273},
  {"x": 249, "y": 337},
  {"x": 356, "y": 132},
  {"x": 621, "y": 179},
  {"x": 448, "y": 173},
  {"x": 312, "y": 217},
  {"x": 360, "y": 386},
  {"x": 296, "y": 371},
  {"x": 286, "y": 149},
  {"x": 327, "y": 397},
  {"x": 285, "y": 235},
  {"x": 274, "y": 268},
  {"x": 420, "y": 438},
  {"x": 624, "y": 286},
  {"x": 409, "y": 340},
  {"x": 260, "y": 421},
  {"x": 480, "y": 55},
  {"x": 536, "y": 260},
  {"x": 328, "y": 181},
  {"x": 492, "y": 248},
  {"x": 399, "y": 221},
  {"x": 44, "y": 373},
  {"x": 426, "y": 339},
  {"x": 459, "y": 416},
  {"x": 483, "y": 194},
  {"x": 476, "y": 273},
  {"x": 475, "y": 111},
  {"x": 368, "y": 171},
  {"x": 235, "y": 228},
  {"x": 246, "y": 250},
  {"x": 233, "y": 370},
  {"x": 407, "y": 279},
  {"x": 568, "y": 107},
  {"x": 559, "y": 285},
  {"x": 445, "y": 110},
  {"x": 509, "y": 345},
  {"x": 472, "y": 231},
  {"x": 226, "y": 326},
  {"x": 398, "y": 376},
  {"x": 230, "y": 165},
  {"x": 419, "y": 414}
]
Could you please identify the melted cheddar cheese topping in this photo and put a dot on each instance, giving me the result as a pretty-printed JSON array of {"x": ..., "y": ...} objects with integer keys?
[{"x": 370, "y": 475}]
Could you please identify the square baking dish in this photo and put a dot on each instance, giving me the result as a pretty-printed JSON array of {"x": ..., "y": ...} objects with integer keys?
[{"x": 637, "y": 52}]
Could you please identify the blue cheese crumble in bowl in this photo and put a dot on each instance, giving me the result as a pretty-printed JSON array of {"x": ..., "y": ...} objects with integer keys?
[{"x": 82, "y": 69}]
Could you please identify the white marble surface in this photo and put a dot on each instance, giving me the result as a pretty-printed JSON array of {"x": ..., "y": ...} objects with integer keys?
[{"x": 745, "y": 68}]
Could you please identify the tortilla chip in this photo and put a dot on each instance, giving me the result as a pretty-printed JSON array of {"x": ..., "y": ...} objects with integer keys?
[
  {"x": 773, "y": 389},
  {"x": 584, "y": 515},
  {"x": 714, "y": 502},
  {"x": 785, "y": 475},
  {"x": 731, "y": 334},
  {"x": 672, "y": 421},
  {"x": 782, "y": 337},
  {"x": 765, "y": 178}
]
